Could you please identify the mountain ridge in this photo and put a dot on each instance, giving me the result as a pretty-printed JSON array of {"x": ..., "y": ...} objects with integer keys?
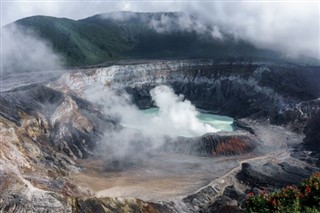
[{"x": 95, "y": 40}]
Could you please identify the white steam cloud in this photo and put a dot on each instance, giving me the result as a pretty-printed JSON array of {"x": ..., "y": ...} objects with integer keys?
[
  {"x": 169, "y": 22},
  {"x": 176, "y": 117},
  {"x": 175, "y": 114},
  {"x": 23, "y": 51},
  {"x": 183, "y": 21}
]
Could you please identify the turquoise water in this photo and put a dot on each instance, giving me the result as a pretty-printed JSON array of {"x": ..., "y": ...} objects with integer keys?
[{"x": 221, "y": 123}]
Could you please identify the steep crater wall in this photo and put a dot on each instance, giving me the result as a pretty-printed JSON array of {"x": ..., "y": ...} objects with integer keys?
[{"x": 281, "y": 92}]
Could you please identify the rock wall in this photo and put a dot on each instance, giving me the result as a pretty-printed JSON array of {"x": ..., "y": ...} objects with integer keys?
[
  {"x": 238, "y": 88},
  {"x": 68, "y": 123},
  {"x": 43, "y": 132},
  {"x": 312, "y": 139}
]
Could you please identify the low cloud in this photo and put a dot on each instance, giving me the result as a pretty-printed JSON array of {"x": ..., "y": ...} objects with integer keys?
[
  {"x": 23, "y": 51},
  {"x": 180, "y": 22},
  {"x": 293, "y": 29},
  {"x": 290, "y": 28},
  {"x": 119, "y": 16}
]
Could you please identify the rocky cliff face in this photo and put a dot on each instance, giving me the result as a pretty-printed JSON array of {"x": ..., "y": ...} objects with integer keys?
[
  {"x": 43, "y": 132},
  {"x": 312, "y": 133},
  {"x": 239, "y": 88},
  {"x": 70, "y": 124},
  {"x": 282, "y": 93}
]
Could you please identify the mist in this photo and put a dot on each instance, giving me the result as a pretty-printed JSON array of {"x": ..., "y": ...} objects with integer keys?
[
  {"x": 141, "y": 132},
  {"x": 24, "y": 51},
  {"x": 285, "y": 28},
  {"x": 291, "y": 28}
]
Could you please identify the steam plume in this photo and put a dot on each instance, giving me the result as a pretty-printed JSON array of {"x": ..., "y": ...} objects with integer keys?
[{"x": 176, "y": 117}]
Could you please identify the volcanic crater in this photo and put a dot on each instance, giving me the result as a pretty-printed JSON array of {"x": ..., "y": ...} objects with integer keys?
[{"x": 103, "y": 163}]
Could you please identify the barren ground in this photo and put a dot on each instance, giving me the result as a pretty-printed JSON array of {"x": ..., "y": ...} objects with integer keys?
[{"x": 165, "y": 177}]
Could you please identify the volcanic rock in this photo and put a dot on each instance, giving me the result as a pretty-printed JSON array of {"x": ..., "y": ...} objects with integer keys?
[
  {"x": 223, "y": 204},
  {"x": 119, "y": 205},
  {"x": 214, "y": 144},
  {"x": 274, "y": 175},
  {"x": 43, "y": 132},
  {"x": 312, "y": 132}
]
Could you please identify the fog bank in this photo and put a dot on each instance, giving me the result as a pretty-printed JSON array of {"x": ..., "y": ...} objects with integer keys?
[{"x": 23, "y": 51}]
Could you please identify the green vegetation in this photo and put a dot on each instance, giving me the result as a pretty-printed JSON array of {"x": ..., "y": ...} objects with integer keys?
[
  {"x": 97, "y": 40},
  {"x": 79, "y": 43},
  {"x": 304, "y": 198}
]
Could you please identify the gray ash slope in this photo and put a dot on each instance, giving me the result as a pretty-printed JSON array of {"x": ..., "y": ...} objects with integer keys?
[{"x": 47, "y": 128}]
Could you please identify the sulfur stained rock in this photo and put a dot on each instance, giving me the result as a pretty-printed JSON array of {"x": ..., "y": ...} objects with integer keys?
[{"x": 214, "y": 144}]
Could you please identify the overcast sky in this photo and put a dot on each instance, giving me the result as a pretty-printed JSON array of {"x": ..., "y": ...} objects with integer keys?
[{"x": 292, "y": 28}]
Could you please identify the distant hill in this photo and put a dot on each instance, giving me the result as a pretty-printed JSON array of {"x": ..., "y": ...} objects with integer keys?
[{"x": 122, "y": 35}]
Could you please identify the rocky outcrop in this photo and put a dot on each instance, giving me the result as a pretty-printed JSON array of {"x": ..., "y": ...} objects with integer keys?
[
  {"x": 223, "y": 204},
  {"x": 43, "y": 132},
  {"x": 70, "y": 124},
  {"x": 312, "y": 140},
  {"x": 231, "y": 200},
  {"x": 35, "y": 202},
  {"x": 118, "y": 205},
  {"x": 214, "y": 144},
  {"x": 273, "y": 175},
  {"x": 312, "y": 132},
  {"x": 220, "y": 196},
  {"x": 51, "y": 202}
]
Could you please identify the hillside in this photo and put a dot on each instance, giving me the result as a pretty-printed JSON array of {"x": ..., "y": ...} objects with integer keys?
[{"x": 106, "y": 37}]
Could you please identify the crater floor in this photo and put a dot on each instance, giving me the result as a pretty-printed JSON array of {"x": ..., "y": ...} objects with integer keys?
[
  {"x": 167, "y": 176},
  {"x": 162, "y": 176}
]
